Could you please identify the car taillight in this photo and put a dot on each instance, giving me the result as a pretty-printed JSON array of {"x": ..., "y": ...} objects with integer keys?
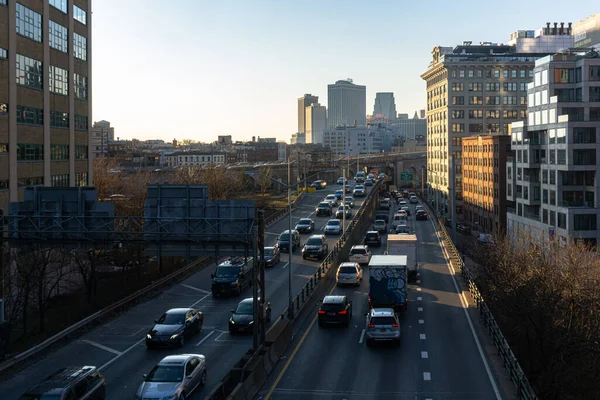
[
  {"x": 371, "y": 325},
  {"x": 321, "y": 312},
  {"x": 343, "y": 312},
  {"x": 394, "y": 325}
]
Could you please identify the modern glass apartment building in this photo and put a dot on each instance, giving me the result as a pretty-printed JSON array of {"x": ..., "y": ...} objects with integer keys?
[
  {"x": 45, "y": 95},
  {"x": 553, "y": 177}
]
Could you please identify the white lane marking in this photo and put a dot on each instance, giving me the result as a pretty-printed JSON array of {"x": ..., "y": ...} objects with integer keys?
[
  {"x": 418, "y": 274},
  {"x": 422, "y": 336},
  {"x": 424, "y": 354},
  {"x": 127, "y": 350},
  {"x": 192, "y": 306},
  {"x": 286, "y": 264},
  {"x": 218, "y": 338},
  {"x": 273, "y": 233},
  {"x": 362, "y": 336},
  {"x": 465, "y": 305},
  {"x": 419, "y": 298},
  {"x": 194, "y": 288},
  {"x": 418, "y": 281},
  {"x": 420, "y": 309},
  {"x": 421, "y": 321},
  {"x": 426, "y": 376},
  {"x": 101, "y": 346},
  {"x": 204, "y": 338},
  {"x": 418, "y": 289}
]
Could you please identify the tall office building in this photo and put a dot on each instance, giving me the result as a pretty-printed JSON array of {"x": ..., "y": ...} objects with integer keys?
[
  {"x": 45, "y": 95},
  {"x": 346, "y": 104},
  {"x": 553, "y": 177},
  {"x": 102, "y": 135},
  {"x": 304, "y": 102},
  {"x": 316, "y": 123},
  {"x": 474, "y": 90},
  {"x": 586, "y": 33},
  {"x": 385, "y": 106}
]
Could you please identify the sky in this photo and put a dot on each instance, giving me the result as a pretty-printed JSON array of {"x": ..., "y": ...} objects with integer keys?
[{"x": 197, "y": 69}]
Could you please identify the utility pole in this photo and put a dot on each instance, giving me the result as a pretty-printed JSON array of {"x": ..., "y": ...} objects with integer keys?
[
  {"x": 258, "y": 286},
  {"x": 453, "y": 199},
  {"x": 290, "y": 240},
  {"x": 255, "y": 295}
]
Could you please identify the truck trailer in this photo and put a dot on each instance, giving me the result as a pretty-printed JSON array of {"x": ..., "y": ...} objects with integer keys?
[
  {"x": 387, "y": 282},
  {"x": 405, "y": 245}
]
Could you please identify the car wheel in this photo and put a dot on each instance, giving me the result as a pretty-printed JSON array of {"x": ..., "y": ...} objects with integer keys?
[{"x": 203, "y": 378}]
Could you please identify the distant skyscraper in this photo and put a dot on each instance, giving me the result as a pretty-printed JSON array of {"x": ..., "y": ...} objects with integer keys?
[
  {"x": 346, "y": 104},
  {"x": 304, "y": 102},
  {"x": 385, "y": 106},
  {"x": 316, "y": 123},
  {"x": 102, "y": 135}
]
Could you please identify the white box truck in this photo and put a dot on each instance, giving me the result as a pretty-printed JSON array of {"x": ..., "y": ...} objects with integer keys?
[
  {"x": 405, "y": 245},
  {"x": 387, "y": 282}
]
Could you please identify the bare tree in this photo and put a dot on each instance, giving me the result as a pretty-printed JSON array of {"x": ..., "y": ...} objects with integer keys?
[
  {"x": 106, "y": 179},
  {"x": 264, "y": 183},
  {"x": 88, "y": 262},
  {"x": 222, "y": 183}
]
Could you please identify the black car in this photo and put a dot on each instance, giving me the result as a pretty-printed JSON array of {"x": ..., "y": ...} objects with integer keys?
[
  {"x": 335, "y": 310},
  {"x": 339, "y": 214},
  {"x": 324, "y": 208},
  {"x": 318, "y": 185},
  {"x": 315, "y": 246},
  {"x": 349, "y": 189},
  {"x": 284, "y": 240},
  {"x": 242, "y": 317},
  {"x": 232, "y": 276},
  {"x": 172, "y": 328},
  {"x": 272, "y": 256},
  {"x": 70, "y": 383},
  {"x": 373, "y": 238},
  {"x": 383, "y": 215},
  {"x": 305, "y": 225},
  {"x": 421, "y": 215}
]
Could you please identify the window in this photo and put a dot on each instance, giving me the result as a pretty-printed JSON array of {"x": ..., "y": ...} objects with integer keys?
[
  {"x": 29, "y": 23},
  {"x": 594, "y": 73},
  {"x": 475, "y": 100},
  {"x": 30, "y": 152},
  {"x": 59, "y": 80},
  {"x": 492, "y": 114},
  {"x": 81, "y": 86},
  {"x": 561, "y": 157},
  {"x": 61, "y": 180},
  {"x": 458, "y": 114},
  {"x": 3, "y": 53},
  {"x": 59, "y": 37},
  {"x": 458, "y": 128},
  {"x": 496, "y": 73},
  {"x": 457, "y": 87},
  {"x": 509, "y": 100},
  {"x": 564, "y": 75},
  {"x": 523, "y": 100},
  {"x": 492, "y": 128},
  {"x": 585, "y": 222},
  {"x": 492, "y": 87},
  {"x": 3, "y": 108},
  {"x": 511, "y": 114},
  {"x": 59, "y": 4},
  {"x": 476, "y": 128},
  {"x": 584, "y": 157},
  {"x": 476, "y": 114},
  {"x": 81, "y": 152},
  {"x": 59, "y": 152},
  {"x": 81, "y": 179},
  {"x": 580, "y": 135},
  {"x": 492, "y": 100},
  {"x": 59, "y": 119},
  {"x": 32, "y": 181},
  {"x": 458, "y": 100},
  {"x": 3, "y": 2},
  {"x": 510, "y": 86},
  {"x": 475, "y": 87},
  {"x": 594, "y": 93},
  {"x": 30, "y": 115},
  {"x": 81, "y": 123},
  {"x": 79, "y": 47},
  {"x": 29, "y": 72},
  {"x": 79, "y": 15}
]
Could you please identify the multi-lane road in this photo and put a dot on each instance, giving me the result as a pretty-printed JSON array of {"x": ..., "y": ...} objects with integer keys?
[
  {"x": 439, "y": 357},
  {"x": 118, "y": 347}
]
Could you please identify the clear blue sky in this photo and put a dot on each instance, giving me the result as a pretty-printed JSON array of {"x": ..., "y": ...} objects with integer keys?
[{"x": 197, "y": 69}]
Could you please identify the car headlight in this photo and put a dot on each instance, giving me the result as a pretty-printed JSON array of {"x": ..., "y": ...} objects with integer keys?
[
  {"x": 148, "y": 336},
  {"x": 251, "y": 322},
  {"x": 234, "y": 283},
  {"x": 231, "y": 321},
  {"x": 175, "y": 336}
]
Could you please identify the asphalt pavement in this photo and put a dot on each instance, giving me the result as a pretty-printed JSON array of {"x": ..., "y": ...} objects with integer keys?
[
  {"x": 118, "y": 347},
  {"x": 438, "y": 358}
]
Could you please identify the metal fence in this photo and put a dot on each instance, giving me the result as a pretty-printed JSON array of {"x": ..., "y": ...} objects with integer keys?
[{"x": 524, "y": 389}]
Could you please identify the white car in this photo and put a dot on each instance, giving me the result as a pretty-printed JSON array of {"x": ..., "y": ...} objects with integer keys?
[
  {"x": 359, "y": 191},
  {"x": 360, "y": 254},
  {"x": 174, "y": 377},
  {"x": 332, "y": 199},
  {"x": 414, "y": 200},
  {"x": 333, "y": 227},
  {"x": 349, "y": 273}
]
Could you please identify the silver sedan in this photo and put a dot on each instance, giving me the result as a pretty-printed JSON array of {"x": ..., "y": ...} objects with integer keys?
[{"x": 174, "y": 377}]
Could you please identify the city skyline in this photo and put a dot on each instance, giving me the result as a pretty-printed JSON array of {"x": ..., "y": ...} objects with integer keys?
[{"x": 250, "y": 59}]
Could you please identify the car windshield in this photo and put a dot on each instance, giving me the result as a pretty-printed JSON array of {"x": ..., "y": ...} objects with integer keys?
[
  {"x": 227, "y": 272},
  {"x": 361, "y": 252},
  {"x": 40, "y": 397},
  {"x": 383, "y": 320},
  {"x": 269, "y": 251},
  {"x": 163, "y": 373},
  {"x": 324, "y": 205},
  {"x": 284, "y": 237},
  {"x": 380, "y": 222},
  {"x": 330, "y": 196},
  {"x": 372, "y": 236},
  {"x": 347, "y": 270},
  {"x": 333, "y": 223},
  {"x": 313, "y": 241},
  {"x": 304, "y": 222},
  {"x": 172, "y": 319},
  {"x": 245, "y": 308}
]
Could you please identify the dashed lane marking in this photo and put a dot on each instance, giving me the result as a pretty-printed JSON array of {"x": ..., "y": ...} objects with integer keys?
[
  {"x": 127, "y": 350},
  {"x": 204, "y": 338},
  {"x": 418, "y": 281},
  {"x": 195, "y": 288},
  {"x": 204, "y": 297},
  {"x": 418, "y": 289},
  {"x": 424, "y": 354},
  {"x": 420, "y": 309},
  {"x": 422, "y": 336},
  {"x": 421, "y": 321},
  {"x": 362, "y": 336},
  {"x": 419, "y": 298},
  {"x": 103, "y": 347},
  {"x": 285, "y": 265},
  {"x": 426, "y": 376}
]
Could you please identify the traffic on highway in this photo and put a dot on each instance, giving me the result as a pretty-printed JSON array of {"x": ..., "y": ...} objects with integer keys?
[
  {"x": 426, "y": 351},
  {"x": 182, "y": 342}
]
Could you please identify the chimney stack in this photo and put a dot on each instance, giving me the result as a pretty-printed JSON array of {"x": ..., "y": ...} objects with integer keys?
[
  {"x": 570, "y": 29},
  {"x": 547, "y": 28},
  {"x": 555, "y": 28},
  {"x": 562, "y": 28}
]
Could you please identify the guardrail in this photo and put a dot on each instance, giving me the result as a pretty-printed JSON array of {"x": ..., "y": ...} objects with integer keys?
[
  {"x": 517, "y": 376},
  {"x": 248, "y": 375}
]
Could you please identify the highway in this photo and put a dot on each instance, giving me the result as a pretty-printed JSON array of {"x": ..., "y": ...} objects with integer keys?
[
  {"x": 438, "y": 357},
  {"x": 118, "y": 347}
]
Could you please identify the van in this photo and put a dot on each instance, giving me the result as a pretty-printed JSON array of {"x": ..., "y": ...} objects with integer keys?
[{"x": 232, "y": 276}]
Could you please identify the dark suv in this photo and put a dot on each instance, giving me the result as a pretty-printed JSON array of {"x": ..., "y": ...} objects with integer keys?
[
  {"x": 324, "y": 208},
  {"x": 383, "y": 215},
  {"x": 335, "y": 310},
  {"x": 232, "y": 276},
  {"x": 315, "y": 246},
  {"x": 373, "y": 238},
  {"x": 70, "y": 383},
  {"x": 284, "y": 240}
]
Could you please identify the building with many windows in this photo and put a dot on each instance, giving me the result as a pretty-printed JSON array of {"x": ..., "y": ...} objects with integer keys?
[
  {"x": 316, "y": 123},
  {"x": 474, "y": 90},
  {"x": 354, "y": 141},
  {"x": 554, "y": 176},
  {"x": 385, "y": 106},
  {"x": 102, "y": 135},
  {"x": 303, "y": 102},
  {"x": 484, "y": 193},
  {"x": 45, "y": 95},
  {"x": 193, "y": 159},
  {"x": 346, "y": 104}
]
